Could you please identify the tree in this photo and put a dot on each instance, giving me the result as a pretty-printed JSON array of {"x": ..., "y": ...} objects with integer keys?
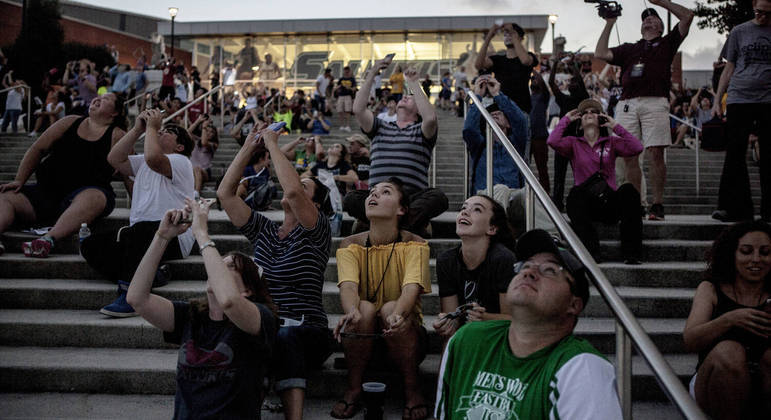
[
  {"x": 723, "y": 15},
  {"x": 38, "y": 46}
]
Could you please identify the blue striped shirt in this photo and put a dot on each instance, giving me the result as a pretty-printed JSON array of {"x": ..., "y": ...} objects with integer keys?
[
  {"x": 403, "y": 153},
  {"x": 293, "y": 267}
]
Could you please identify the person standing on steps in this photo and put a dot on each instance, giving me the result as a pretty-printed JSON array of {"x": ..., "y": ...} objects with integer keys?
[
  {"x": 646, "y": 68},
  {"x": 747, "y": 79}
]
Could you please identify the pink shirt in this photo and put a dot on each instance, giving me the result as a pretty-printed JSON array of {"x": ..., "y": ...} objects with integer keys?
[{"x": 585, "y": 159}]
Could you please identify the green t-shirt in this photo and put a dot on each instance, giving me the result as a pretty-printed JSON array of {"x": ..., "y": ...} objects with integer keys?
[{"x": 480, "y": 378}]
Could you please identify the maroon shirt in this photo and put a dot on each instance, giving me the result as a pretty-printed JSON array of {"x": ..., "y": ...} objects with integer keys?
[{"x": 656, "y": 55}]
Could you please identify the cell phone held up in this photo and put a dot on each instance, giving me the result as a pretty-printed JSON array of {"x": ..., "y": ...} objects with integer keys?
[
  {"x": 189, "y": 217},
  {"x": 602, "y": 120}
]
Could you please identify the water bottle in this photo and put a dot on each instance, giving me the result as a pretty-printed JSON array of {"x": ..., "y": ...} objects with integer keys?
[{"x": 84, "y": 233}]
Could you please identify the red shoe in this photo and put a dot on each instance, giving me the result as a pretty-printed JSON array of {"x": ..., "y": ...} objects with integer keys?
[{"x": 38, "y": 248}]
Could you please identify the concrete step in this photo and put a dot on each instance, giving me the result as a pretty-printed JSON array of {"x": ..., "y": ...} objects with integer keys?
[
  {"x": 155, "y": 406},
  {"x": 649, "y": 274},
  {"x": 152, "y": 371}
]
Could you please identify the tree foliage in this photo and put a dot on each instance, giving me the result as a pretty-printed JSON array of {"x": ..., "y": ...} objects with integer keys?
[
  {"x": 723, "y": 15},
  {"x": 38, "y": 46}
]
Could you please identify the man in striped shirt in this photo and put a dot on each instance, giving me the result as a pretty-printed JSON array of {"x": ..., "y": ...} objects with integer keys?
[{"x": 400, "y": 149}]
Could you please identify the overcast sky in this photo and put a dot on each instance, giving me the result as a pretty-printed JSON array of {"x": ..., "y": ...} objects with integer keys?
[{"x": 578, "y": 21}]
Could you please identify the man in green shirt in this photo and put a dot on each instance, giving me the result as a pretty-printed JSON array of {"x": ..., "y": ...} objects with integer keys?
[{"x": 532, "y": 367}]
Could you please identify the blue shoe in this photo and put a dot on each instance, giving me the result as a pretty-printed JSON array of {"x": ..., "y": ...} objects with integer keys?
[{"x": 119, "y": 308}]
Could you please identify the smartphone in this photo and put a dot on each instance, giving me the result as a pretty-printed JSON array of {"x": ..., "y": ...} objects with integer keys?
[
  {"x": 189, "y": 217},
  {"x": 277, "y": 126},
  {"x": 388, "y": 58}
]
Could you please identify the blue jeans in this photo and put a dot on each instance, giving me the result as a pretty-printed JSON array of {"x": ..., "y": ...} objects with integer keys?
[
  {"x": 298, "y": 351},
  {"x": 11, "y": 116}
]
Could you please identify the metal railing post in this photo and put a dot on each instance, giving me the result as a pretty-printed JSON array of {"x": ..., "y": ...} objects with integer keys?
[
  {"x": 489, "y": 159},
  {"x": 222, "y": 106},
  {"x": 698, "y": 146},
  {"x": 187, "y": 120},
  {"x": 433, "y": 167},
  {"x": 529, "y": 208},
  {"x": 624, "y": 370},
  {"x": 465, "y": 155},
  {"x": 29, "y": 109}
]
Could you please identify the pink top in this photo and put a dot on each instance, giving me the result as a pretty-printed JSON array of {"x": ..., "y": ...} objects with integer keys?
[{"x": 585, "y": 159}]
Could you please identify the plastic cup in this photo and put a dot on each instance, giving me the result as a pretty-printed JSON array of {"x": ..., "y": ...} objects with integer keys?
[{"x": 374, "y": 398}]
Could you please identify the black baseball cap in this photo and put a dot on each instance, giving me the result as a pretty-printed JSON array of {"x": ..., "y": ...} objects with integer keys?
[
  {"x": 537, "y": 241},
  {"x": 649, "y": 12}
]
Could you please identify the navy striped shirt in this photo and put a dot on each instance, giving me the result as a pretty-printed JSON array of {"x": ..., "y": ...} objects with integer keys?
[
  {"x": 293, "y": 267},
  {"x": 400, "y": 152}
]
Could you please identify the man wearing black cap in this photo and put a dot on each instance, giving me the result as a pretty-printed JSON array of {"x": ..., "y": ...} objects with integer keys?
[
  {"x": 644, "y": 105},
  {"x": 532, "y": 366}
]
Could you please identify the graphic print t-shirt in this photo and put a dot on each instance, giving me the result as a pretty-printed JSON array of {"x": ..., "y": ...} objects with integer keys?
[
  {"x": 220, "y": 368},
  {"x": 480, "y": 378}
]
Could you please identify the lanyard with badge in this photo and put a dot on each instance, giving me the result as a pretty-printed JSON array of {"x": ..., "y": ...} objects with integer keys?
[{"x": 639, "y": 68}]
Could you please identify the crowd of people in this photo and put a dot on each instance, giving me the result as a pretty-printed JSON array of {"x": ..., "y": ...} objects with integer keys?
[{"x": 509, "y": 298}]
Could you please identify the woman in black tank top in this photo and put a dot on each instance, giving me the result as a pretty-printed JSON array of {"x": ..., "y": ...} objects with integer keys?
[
  {"x": 73, "y": 176},
  {"x": 730, "y": 324}
]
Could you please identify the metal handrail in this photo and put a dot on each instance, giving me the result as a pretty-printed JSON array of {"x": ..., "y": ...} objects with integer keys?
[
  {"x": 696, "y": 149},
  {"x": 29, "y": 102},
  {"x": 186, "y": 107},
  {"x": 135, "y": 98},
  {"x": 627, "y": 324}
]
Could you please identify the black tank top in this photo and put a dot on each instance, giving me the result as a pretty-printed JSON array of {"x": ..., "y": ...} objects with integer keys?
[
  {"x": 74, "y": 162},
  {"x": 754, "y": 344}
]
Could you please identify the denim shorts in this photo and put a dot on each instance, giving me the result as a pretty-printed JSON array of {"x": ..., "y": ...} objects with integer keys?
[
  {"x": 49, "y": 205},
  {"x": 298, "y": 351}
]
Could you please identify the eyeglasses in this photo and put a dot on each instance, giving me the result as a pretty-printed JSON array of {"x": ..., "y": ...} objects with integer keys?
[
  {"x": 762, "y": 12},
  {"x": 548, "y": 269}
]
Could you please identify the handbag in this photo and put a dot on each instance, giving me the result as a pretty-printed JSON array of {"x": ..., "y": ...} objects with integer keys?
[{"x": 595, "y": 186}]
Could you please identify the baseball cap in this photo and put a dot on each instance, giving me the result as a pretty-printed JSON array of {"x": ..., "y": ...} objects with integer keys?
[
  {"x": 649, "y": 12},
  {"x": 537, "y": 241},
  {"x": 360, "y": 138},
  {"x": 589, "y": 104}
]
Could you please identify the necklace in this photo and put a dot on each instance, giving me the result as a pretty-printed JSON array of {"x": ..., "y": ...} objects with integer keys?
[{"x": 388, "y": 262}]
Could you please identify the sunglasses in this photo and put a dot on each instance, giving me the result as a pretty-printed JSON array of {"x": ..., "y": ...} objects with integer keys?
[{"x": 591, "y": 111}]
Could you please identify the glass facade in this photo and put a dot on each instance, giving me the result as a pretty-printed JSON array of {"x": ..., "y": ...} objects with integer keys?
[{"x": 294, "y": 61}]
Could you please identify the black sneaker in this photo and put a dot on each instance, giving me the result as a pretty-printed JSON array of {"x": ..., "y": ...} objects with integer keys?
[
  {"x": 656, "y": 212},
  {"x": 162, "y": 276}
]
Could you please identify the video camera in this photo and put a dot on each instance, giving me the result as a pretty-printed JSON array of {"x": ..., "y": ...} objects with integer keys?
[{"x": 607, "y": 9}]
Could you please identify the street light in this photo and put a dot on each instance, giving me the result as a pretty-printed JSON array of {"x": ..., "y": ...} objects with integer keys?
[
  {"x": 552, "y": 20},
  {"x": 173, "y": 13}
]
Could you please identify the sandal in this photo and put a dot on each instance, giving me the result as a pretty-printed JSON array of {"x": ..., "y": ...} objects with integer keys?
[
  {"x": 409, "y": 410},
  {"x": 353, "y": 406}
]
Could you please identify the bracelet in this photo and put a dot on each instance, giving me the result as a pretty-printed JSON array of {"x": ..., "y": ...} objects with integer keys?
[{"x": 206, "y": 245}]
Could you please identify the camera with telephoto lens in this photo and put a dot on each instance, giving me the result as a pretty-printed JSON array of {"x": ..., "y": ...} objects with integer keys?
[{"x": 607, "y": 9}]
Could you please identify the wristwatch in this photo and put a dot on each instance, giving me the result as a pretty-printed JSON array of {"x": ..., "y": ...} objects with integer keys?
[{"x": 206, "y": 245}]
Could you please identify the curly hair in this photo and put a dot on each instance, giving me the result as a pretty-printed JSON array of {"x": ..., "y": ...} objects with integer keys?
[
  {"x": 721, "y": 258},
  {"x": 503, "y": 234}
]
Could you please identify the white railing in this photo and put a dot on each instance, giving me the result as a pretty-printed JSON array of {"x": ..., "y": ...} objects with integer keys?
[
  {"x": 29, "y": 102},
  {"x": 697, "y": 130},
  {"x": 627, "y": 326},
  {"x": 136, "y": 98},
  {"x": 205, "y": 108}
]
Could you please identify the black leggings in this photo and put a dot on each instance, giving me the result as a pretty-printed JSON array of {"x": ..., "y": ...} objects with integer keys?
[
  {"x": 116, "y": 254},
  {"x": 623, "y": 205}
]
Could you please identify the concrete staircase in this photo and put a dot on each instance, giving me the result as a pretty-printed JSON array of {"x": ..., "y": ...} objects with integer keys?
[{"x": 60, "y": 358}]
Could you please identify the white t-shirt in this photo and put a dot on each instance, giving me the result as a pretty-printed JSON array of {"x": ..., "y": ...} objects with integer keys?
[
  {"x": 323, "y": 83},
  {"x": 385, "y": 117},
  {"x": 13, "y": 101},
  {"x": 154, "y": 193},
  {"x": 460, "y": 79},
  {"x": 251, "y": 102},
  {"x": 51, "y": 107}
]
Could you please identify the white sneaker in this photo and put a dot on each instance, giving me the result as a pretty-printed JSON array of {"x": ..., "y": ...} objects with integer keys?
[{"x": 33, "y": 134}]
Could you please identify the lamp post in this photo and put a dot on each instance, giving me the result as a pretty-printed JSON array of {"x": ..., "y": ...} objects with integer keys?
[
  {"x": 173, "y": 13},
  {"x": 552, "y": 20}
]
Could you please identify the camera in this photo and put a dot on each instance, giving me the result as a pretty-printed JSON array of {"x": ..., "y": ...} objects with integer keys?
[{"x": 607, "y": 9}]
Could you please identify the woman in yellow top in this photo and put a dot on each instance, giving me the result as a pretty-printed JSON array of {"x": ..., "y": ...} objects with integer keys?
[
  {"x": 381, "y": 275},
  {"x": 397, "y": 83}
]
